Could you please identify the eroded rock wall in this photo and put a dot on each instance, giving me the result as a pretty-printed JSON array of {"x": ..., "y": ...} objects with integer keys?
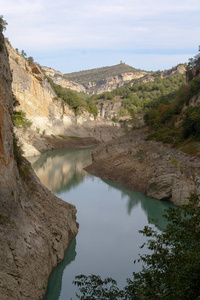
[
  {"x": 35, "y": 226},
  {"x": 50, "y": 116},
  {"x": 159, "y": 171}
]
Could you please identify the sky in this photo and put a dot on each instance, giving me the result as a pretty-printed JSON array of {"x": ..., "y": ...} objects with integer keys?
[{"x": 75, "y": 35}]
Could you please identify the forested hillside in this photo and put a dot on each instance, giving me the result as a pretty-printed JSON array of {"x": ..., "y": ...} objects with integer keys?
[{"x": 176, "y": 119}]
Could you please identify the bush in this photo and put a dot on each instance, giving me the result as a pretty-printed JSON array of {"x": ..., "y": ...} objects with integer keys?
[
  {"x": 20, "y": 120},
  {"x": 22, "y": 164},
  {"x": 191, "y": 123},
  {"x": 170, "y": 271}
]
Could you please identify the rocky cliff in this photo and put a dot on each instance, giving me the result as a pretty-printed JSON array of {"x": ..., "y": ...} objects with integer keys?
[
  {"x": 35, "y": 226},
  {"x": 58, "y": 78},
  {"x": 151, "y": 76},
  {"x": 50, "y": 116},
  {"x": 160, "y": 172}
]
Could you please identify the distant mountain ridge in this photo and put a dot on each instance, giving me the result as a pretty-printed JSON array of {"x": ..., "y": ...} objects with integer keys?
[
  {"x": 106, "y": 79},
  {"x": 97, "y": 74},
  {"x": 96, "y": 81}
]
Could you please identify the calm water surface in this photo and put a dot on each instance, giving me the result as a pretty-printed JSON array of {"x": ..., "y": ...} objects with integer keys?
[{"x": 109, "y": 216}]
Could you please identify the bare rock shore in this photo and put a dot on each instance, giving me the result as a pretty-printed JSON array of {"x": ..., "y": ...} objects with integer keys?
[{"x": 159, "y": 171}]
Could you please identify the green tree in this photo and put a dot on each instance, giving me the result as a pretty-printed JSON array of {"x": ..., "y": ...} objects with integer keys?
[
  {"x": 172, "y": 269},
  {"x": 3, "y": 24},
  {"x": 20, "y": 120},
  {"x": 23, "y": 54},
  {"x": 30, "y": 60}
]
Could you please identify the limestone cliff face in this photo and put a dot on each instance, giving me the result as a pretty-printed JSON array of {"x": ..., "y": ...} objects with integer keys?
[
  {"x": 108, "y": 109},
  {"x": 58, "y": 78},
  {"x": 34, "y": 94},
  {"x": 50, "y": 116},
  {"x": 179, "y": 69},
  {"x": 35, "y": 226},
  {"x": 158, "y": 171}
]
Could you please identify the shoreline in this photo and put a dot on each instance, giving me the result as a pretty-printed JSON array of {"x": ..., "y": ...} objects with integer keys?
[{"x": 159, "y": 171}]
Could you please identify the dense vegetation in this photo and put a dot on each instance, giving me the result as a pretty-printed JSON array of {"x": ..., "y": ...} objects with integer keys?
[
  {"x": 172, "y": 120},
  {"x": 172, "y": 269},
  {"x": 74, "y": 99},
  {"x": 95, "y": 75},
  {"x": 139, "y": 96}
]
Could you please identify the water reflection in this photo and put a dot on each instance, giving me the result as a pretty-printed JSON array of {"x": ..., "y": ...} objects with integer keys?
[
  {"x": 55, "y": 281},
  {"x": 109, "y": 215},
  {"x": 154, "y": 209},
  {"x": 61, "y": 170}
]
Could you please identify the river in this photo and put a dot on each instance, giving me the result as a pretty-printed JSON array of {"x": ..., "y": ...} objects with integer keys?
[{"x": 109, "y": 216}]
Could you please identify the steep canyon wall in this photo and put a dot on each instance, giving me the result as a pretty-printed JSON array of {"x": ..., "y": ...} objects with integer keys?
[
  {"x": 50, "y": 116},
  {"x": 35, "y": 226}
]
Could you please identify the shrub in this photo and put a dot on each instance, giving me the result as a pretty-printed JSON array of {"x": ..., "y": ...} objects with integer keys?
[
  {"x": 20, "y": 120},
  {"x": 170, "y": 271},
  {"x": 191, "y": 123}
]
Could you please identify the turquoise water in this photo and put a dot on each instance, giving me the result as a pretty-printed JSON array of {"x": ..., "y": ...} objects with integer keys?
[{"x": 109, "y": 216}]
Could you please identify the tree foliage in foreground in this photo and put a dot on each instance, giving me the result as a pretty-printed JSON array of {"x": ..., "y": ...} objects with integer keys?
[{"x": 172, "y": 269}]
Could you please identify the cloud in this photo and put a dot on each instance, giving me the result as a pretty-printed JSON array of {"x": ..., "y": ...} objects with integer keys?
[{"x": 51, "y": 26}]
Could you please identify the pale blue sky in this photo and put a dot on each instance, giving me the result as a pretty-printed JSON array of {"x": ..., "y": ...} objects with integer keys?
[{"x": 74, "y": 35}]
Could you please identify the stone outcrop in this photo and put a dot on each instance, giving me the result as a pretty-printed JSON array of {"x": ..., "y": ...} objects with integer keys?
[
  {"x": 111, "y": 83},
  {"x": 160, "y": 172},
  {"x": 179, "y": 69},
  {"x": 35, "y": 226},
  {"x": 58, "y": 78}
]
